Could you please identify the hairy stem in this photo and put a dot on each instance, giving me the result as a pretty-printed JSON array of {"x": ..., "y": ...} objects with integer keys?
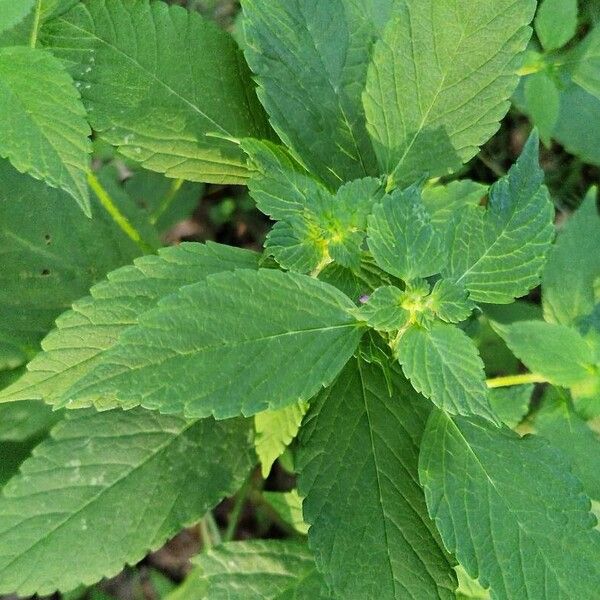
[{"x": 507, "y": 381}]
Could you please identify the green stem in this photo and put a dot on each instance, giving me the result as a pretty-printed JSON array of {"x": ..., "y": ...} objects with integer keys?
[
  {"x": 167, "y": 200},
  {"x": 209, "y": 532},
  {"x": 236, "y": 512},
  {"x": 36, "y": 24},
  {"x": 499, "y": 382},
  {"x": 118, "y": 217}
]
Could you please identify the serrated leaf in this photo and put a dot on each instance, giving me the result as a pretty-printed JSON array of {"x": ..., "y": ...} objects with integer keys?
[
  {"x": 13, "y": 12},
  {"x": 310, "y": 59},
  {"x": 288, "y": 506},
  {"x": 180, "y": 108},
  {"x": 479, "y": 488},
  {"x": 450, "y": 301},
  {"x": 215, "y": 347},
  {"x": 558, "y": 422},
  {"x": 74, "y": 496},
  {"x": 498, "y": 253},
  {"x": 556, "y": 22},
  {"x": 511, "y": 404},
  {"x": 440, "y": 82},
  {"x": 95, "y": 322},
  {"x": 383, "y": 310},
  {"x": 41, "y": 274},
  {"x": 543, "y": 103},
  {"x": 577, "y": 244},
  {"x": 275, "y": 431},
  {"x": 443, "y": 364},
  {"x": 401, "y": 238},
  {"x": 556, "y": 352},
  {"x": 358, "y": 472},
  {"x": 260, "y": 570},
  {"x": 44, "y": 130}
]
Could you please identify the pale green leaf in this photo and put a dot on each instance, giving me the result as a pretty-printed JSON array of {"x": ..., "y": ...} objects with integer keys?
[
  {"x": 275, "y": 431},
  {"x": 440, "y": 82},
  {"x": 556, "y": 352},
  {"x": 358, "y": 472},
  {"x": 383, "y": 310},
  {"x": 498, "y": 253},
  {"x": 573, "y": 265},
  {"x": 443, "y": 364},
  {"x": 558, "y": 422},
  {"x": 543, "y": 103},
  {"x": 216, "y": 347},
  {"x": 13, "y": 12},
  {"x": 510, "y": 510},
  {"x": 260, "y": 570},
  {"x": 450, "y": 301},
  {"x": 556, "y": 22},
  {"x": 469, "y": 589},
  {"x": 401, "y": 238},
  {"x": 152, "y": 87},
  {"x": 51, "y": 255},
  {"x": 108, "y": 487},
  {"x": 511, "y": 404},
  {"x": 44, "y": 130},
  {"x": 288, "y": 506},
  {"x": 95, "y": 322},
  {"x": 310, "y": 59}
]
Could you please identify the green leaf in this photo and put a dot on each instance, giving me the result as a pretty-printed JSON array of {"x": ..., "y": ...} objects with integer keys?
[
  {"x": 384, "y": 309},
  {"x": 450, "y": 301},
  {"x": 42, "y": 274},
  {"x": 556, "y": 22},
  {"x": 289, "y": 507},
  {"x": 45, "y": 133},
  {"x": 216, "y": 347},
  {"x": 556, "y": 352},
  {"x": 511, "y": 404},
  {"x": 171, "y": 115},
  {"x": 578, "y": 245},
  {"x": 310, "y": 59},
  {"x": 469, "y": 589},
  {"x": 558, "y": 422},
  {"x": 73, "y": 498},
  {"x": 587, "y": 70},
  {"x": 95, "y": 322},
  {"x": 13, "y": 12},
  {"x": 440, "y": 82},
  {"x": 401, "y": 238},
  {"x": 443, "y": 364},
  {"x": 498, "y": 253},
  {"x": 500, "y": 520},
  {"x": 275, "y": 431},
  {"x": 23, "y": 421},
  {"x": 260, "y": 570},
  {"x": 443, "y": 201},
  {"x": 543, "y": 103},
  {"x": 358, "y": 472}
]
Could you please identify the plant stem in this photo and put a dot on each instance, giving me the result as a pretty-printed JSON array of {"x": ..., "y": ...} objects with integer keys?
[
  {"x": 167, "y": 200},
  {"x": 499, "y": 382},
  {"x": 236, "y": 512},
  {"x": 209, "y": 531},
  {"x": 118, "y": 217},
  {"x": 36, "y": 24}
]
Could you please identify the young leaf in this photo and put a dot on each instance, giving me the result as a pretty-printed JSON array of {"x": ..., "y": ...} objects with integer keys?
[
  {"x": 556, "y": 22},
  {"x": 384, "y": 311},
  {"x": 180, "y": 108},
  {"x": 358, "y": 472},
  {"x": 440, "y": 81},
  {"x": 443, "y": 364},
  {"x": 401, "y": 238},
  {"x": 216, "y": 347},
  {"x": 47, "y": 242},
  {"x": 44, "y": 131},
  {"x": 72, "y": 503},
  {"x": 12, "y": 12},
  {"x": 511, "y": 403},
  {"x": 95, "y": 323},
  {"x": 260, "y": 570},
  {"x": 479, "y": 487},
  {"x": 275, "y": 430},
  {"x": 311, "y": 60},
  {"x": 543, "y": 103},
  {"x": 577, "y": 244},
  {"x": 498, "y": 253},
  {"x": 289, "y": 507},
  {"x": 450, "y": 301},
  {"x": 556, "y": 352}
]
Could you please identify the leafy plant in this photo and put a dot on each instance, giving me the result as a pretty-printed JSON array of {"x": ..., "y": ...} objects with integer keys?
[{"x": 349, "y": 350}]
